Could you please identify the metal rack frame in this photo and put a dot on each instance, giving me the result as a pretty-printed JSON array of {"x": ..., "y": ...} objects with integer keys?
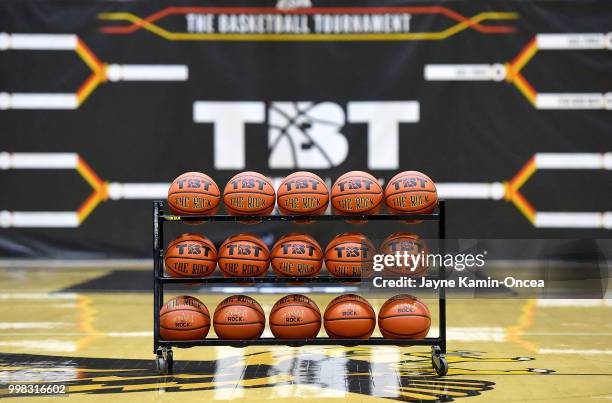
[{"x": 163, "y": 348}]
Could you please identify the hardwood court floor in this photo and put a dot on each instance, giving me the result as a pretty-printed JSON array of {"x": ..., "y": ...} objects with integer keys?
[{"x": 100, "y": 343}]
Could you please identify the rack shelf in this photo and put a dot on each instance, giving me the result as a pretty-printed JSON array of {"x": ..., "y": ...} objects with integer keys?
[
  {"x": 268, "y": 280},
  {"x": 331, "y": 217},
  {"x": 319, "y": 341}
]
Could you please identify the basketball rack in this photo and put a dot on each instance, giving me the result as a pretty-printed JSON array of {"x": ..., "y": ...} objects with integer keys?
[{"x": 163, "y": 348}]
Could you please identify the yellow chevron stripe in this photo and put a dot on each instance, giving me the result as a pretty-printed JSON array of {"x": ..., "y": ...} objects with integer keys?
[
  {"x": 87, "y": 175},
  {"x": 523, "y": 208},
  {"x": 187, "y": 36}
]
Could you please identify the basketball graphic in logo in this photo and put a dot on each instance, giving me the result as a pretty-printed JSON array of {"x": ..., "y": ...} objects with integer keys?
[{"x": 306, "y": 135}]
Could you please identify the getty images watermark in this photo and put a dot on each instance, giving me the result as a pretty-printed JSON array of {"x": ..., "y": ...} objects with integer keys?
[{"x": 410, "y": 270}]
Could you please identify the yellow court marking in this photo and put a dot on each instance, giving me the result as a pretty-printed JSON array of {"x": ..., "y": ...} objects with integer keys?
[
  {"x": 525, "y": 321},
  {"x": 87, "y": 314}
]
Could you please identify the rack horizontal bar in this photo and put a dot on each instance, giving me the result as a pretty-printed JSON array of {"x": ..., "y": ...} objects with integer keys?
[
  {"x": 319, "y": 341},
  {"x": 331, "y": 217},
  {"x": 238, "y": 281}
]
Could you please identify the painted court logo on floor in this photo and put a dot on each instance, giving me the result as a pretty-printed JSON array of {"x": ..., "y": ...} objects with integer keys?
[{"x": 388, "y": 374}]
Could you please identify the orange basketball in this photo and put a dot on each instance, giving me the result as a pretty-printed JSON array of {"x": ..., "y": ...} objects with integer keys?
[
  {"x": 414, "y": 245},
  {"x": 302, "y": 193},
  {"x": 296, "y": 255},
  {"x": 404, "y": 317},
  {"x": 193, "y": 193},
  {"x": 295, "y": 316},
  {"x": 350, "y": 254},
  {"x": 239, "y": 318},
  {"x": 190, "y": 255},
  {"x": 356, "y": 192},
  {"x": 411, "y": 192},
  {"x": 184, "y": 318},
  {"x": 243, "y": 255},
  {"x": 349, "y": 316},
  {"x": 249, "y": 193}
]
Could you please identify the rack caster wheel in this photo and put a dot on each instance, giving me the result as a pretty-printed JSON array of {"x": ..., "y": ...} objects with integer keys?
[
  {"x": 438, "y": 361},
  {"x": 164, "y": 361}
]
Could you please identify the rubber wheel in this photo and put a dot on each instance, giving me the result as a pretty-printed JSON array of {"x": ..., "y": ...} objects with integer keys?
[
  {"x": 170, "y": 360},
  {"x": 162, "y": 365},
  {"x": 440, "y": 365}
]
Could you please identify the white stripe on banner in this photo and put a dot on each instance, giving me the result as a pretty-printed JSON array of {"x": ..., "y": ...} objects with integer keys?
[
  {"x": 573, "y": 161},
  {"x": 464, "y": 72},
  {"x": 573, "y": 220},
  {"x": 493, "y": 190},
  {"x": 572, "y": 101},
  {"x": 38, "y": 101},
  {"x": 571, "y": 41},
  {"x": 38, "y": 41},
  {"x": 147, "y": 72},
  {"x": 38, "y": 160},
  {"x": 33, "y": 219},
  {"x": 118, "y": 191}
]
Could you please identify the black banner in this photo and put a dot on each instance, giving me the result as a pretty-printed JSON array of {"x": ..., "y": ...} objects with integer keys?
[{"x": 505, "y": 104}]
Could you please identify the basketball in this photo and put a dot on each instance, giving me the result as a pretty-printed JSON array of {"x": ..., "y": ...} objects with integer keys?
[
  {"x": 350, "y": 254},
  {"x": 302, "y": 193},
  {"x": 404, "y": 317},
  {"x": 296, "y": 255},
  {"x": 190, "y": 255},
  {"x": 414, "y": 245},
  {"x": 349, "y": 316},
  {"x": 184, "y": 318},
  {"x": 243, "y": 255},
  {"x": 249, "y": 193},
  {"x": 239, "y": 317},
  {"x": 193, "y": 193},
  {"x": 411, "y": 192},
  {"x": 295, "y": 317},
  {"x": 356, "y": 192}
]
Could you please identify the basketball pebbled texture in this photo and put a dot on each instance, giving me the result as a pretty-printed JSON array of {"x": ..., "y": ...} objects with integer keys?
[
  {"x": 295, "y": 316},
  {"x": 413, "y": 245},
  {"x": 243, "y": 255},
  {"x": 356, "y": 192},
  {"x": 302, "y": 193},
  {"x": 349, "y": 316},
  {"x": 249, "y": 193},
  {"x": 404, "y": 317},
  {"x": 184, "y": 318},
  {"x": 190, "y": 255},
  {"x": 193, "y": 193},
  {"x": 350, "y": 254},
  {"x": 296, "y": 255},
  {"x": 239, "y": 317},
  {"x": 411, "y": 192}
]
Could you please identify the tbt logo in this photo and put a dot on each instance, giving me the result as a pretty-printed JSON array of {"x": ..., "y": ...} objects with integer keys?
[{"x": 306, "y": 135}]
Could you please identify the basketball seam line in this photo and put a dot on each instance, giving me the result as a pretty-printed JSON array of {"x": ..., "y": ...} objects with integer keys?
[
  {"x": 187, "y": 310},
  {"x": 302, "y": 193},
  {"x": 189, "y": 258},
  {"x": 337, "y": 319},
  {"x": 184, "y": 330},
  {"x": 405, "y": 316},
  {"x": 298, "y": 258}
]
